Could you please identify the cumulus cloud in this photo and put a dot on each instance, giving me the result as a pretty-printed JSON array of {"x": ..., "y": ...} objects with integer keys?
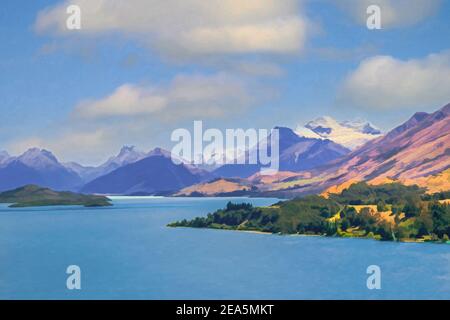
[
  {"x": 394, "y": 13},
  {"x": 142, "y": 115},
  {"x": 186, "y": 97},
  {"x": 383, "y": 82},
  {"x": 189, "y": 27},
  {"x": 126, "y": 100}
]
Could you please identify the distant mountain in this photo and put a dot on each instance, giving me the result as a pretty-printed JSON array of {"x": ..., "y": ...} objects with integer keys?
[
  {"x": 40, "y": 167},
  {"x": 351, "y": 134},
  {"x": 85, "y": 173},
  {"x": 296, "y": 154},
  {"x": 127, "y": 155},
  {"x": 417, "y": 151},
  {"x": 155, "y": 174}
]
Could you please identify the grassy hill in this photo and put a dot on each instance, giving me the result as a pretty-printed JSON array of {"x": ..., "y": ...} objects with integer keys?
[
  {"x": 32, "y": 196},
  {"x": 386, "y": 212}
]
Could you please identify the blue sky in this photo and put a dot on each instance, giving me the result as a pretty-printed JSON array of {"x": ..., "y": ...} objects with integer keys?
[{"x": 132, "y": 79}]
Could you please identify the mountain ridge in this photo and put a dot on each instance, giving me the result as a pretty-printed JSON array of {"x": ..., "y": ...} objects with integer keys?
[{"x": 153, "y": 174}]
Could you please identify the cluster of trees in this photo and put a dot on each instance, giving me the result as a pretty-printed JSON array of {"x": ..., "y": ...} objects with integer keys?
[
  {"x": 391, "y": 193},
  {"x": 232, "y": 216},
  {"x": 415, "y": 214}
]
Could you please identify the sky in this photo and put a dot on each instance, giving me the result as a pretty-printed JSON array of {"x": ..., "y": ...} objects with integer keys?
[{"x": 139, "y": 69}]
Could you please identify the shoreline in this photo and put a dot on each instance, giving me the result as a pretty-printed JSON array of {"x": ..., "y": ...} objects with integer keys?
[{"x": 418, "y": 241}]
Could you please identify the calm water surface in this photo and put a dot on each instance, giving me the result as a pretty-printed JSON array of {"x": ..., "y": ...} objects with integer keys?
[{"x": 127, "y": 252}]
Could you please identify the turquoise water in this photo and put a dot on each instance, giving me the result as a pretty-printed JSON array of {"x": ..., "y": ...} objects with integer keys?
[{"x": 127, "y": 252}]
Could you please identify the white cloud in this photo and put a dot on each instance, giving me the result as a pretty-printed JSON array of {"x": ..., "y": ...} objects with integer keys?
[
  {"x": 383, "y": 82},
  {"x": 394, "y": 13},
  {"x": 189, "y": 27},
  {"x": 141, "y": 115},
  {"x": 124, "y": 101},
  {"x": 186, "y": 97},
  {"x": 258, "y": 68}
]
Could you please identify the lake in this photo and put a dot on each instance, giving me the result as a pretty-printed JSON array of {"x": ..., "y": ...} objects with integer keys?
[{"x": 127, "y": 252}]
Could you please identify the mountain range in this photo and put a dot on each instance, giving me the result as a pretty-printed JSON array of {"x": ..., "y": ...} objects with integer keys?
[
  {"x": 324, "y": 155},
  {"x": 296, "y": 153},
  {"x": 416, "y": 152},
  {"x": 127, "y": 155},
  {"x": 39, "y": 167},
  {"x": 154, "y": 174}
]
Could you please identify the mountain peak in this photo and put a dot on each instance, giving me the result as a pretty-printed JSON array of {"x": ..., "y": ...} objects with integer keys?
[
  {"x": 350, "y": 134},
  {"x": 361, "y": 126},
  {"x": 159, "y": 152},
  {"x": 127, "y": 149},
  {"x": 38, "y": 158},
  {"x": 126, "y": 155},
  {"x": 286, "y": 133},
  {"x": 419, "y": 116}
]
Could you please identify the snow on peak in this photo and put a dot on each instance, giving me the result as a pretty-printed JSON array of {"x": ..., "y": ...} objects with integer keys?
[
  {"x": 38, "y": 158},
  {"x": 361, "y": 126},
  {"x": 350, "y": 134},
  {"x": 128, "y": 154}
]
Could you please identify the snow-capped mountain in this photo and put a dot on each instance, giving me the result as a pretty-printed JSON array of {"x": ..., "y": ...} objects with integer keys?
[
  {"x": 39, "y": 159},
  {"x": 416, "y": 152},
  {"x": 350, "y": 134},
  {"x": 127, "y": 155},
  {"x": 296, "y": 153},
  {"x": 36, "y": 166}
]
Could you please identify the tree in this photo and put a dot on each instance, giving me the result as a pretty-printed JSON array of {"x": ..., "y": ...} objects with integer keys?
[
  {"x": 345, "y": 224},
  {"x": 411, "y": 210},
  {"x": 381, "y": 206}
]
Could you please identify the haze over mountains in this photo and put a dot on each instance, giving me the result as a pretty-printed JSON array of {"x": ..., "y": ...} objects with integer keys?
[{"x": 311, "y": 160}]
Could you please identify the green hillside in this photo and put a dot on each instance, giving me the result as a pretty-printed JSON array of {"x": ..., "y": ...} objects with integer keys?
[{"x": 385, "y": 212}]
